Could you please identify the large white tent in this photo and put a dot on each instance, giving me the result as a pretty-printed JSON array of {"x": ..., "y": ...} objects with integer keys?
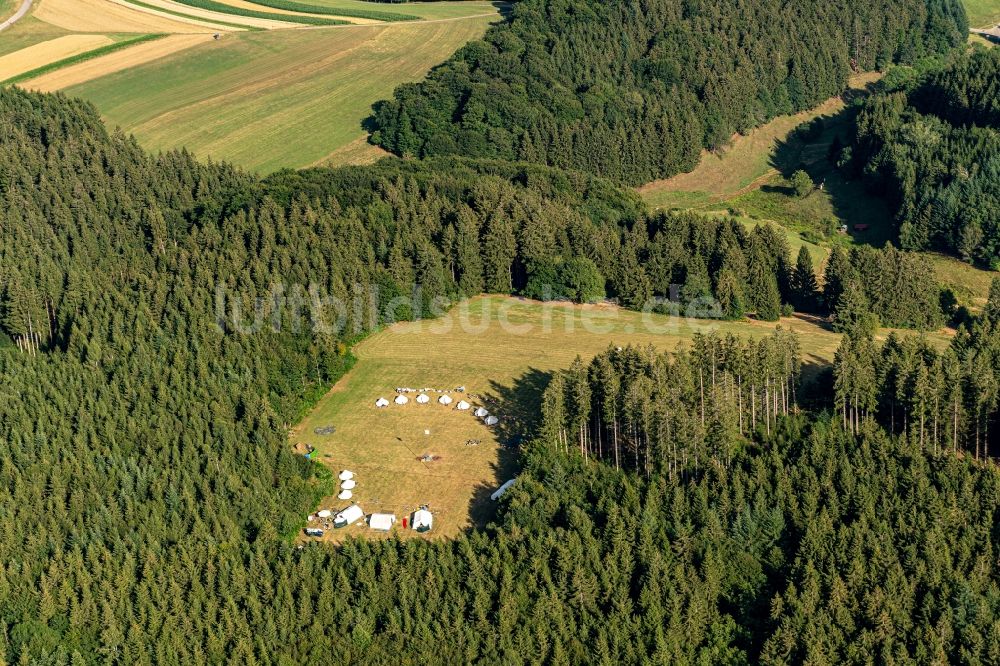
[
  {"x": 422, "y": 520},
  {"x": 381, "y": 521},
  {"x": 349, "y": 515},
  {"x": 325, "y": 513},
  {"x": 462, "y": 405},
  {"x": 491, "y": 420},
  {"x": 401, "y": 400},
  {"x": 481, "y": 412},
  {"x": 445, "y": 400},
  {"x": 498, "y": 493},
  {"x": 381, "y": 402},
  {"x": 423, "y": 399},
  {"x": 348, "y": 485},
  {"x": 346, "y": 474}
]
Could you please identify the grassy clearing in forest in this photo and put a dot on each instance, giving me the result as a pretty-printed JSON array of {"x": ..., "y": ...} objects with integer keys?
[
  {"x": 751, "y": 181},
  {"x": 506, "y": 354}
]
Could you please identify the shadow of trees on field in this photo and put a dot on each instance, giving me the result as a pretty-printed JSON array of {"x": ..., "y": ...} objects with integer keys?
[
  {"x": 778, "y": 189},
  {"x": 518, "y": 406},
  {"x": 816, "y": 146}
]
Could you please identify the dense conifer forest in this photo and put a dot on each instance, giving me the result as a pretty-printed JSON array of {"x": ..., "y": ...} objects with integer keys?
[
  {"x": 932, "y": 145},
  {"x": 635, "y": 90},
  {"x": 714, "y": 505}
]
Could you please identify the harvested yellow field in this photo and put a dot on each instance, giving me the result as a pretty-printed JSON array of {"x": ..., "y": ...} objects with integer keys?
[
  {"x": 110, "y": 16},
  {"x": 114, "y": 62},
  {"x": 208, "y": 15},
  {"x": 49, "y": 51},
  {"x": 243, "y": 4}
]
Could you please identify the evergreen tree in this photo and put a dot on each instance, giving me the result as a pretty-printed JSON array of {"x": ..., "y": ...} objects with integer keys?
[{"x": 804, "y": 286}]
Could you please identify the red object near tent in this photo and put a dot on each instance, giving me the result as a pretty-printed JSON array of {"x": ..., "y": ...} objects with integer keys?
[{"x": 404, "y": 523}]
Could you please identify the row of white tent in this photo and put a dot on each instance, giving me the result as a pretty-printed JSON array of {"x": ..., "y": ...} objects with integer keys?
[
  {"x": 347, "y": 484},
  {"x": 422, "y": 520},
  {"x": 458, "y": 389},
  {"x": 423, "y": 399}
]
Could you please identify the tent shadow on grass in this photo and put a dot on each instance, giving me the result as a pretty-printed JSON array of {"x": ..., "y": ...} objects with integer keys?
[{"x": 518, "y": 406}]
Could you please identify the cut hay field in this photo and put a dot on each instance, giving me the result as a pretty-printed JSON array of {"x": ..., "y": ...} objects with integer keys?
[
  {"x": 508, "y": 363},
  {"x": 49, "y": 51},
  {"x": 102, "y": 16},
  {"x": 267, "y": 100},
  {"x": 425, "y": 10},
  {"x": 114, "y": 62}
]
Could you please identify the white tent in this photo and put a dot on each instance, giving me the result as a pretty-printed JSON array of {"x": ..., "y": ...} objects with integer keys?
[
  {"x": 501, "y": 490},
  {"x": 401, "y": 400},
  {"x": 462, "y": 405},
  {"x": 381, "y": 521},
  {"x": 482, "y": 413},
  {"x": 346, "y": 474},
  {"x": 445, "y": 400},
  {"x": 345, "y": 495},
  {"x": 348, "y": 485},
  {"x": 325, "y": 513},
  {"x": 349, "y": 515},
  {"x": 423, "y": 399},
  {"x": 491, "y": 420},
  {"x": 422, "y": 520},
  {"x": 381, "y": 402}
]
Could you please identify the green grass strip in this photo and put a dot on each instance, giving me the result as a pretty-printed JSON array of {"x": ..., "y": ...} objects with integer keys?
[
  {"x": 213, "y": 6},
  {"x": 292, "y": 6},
  {"x": 81, "y": 57},
  {"x": 139, "y": 3}
]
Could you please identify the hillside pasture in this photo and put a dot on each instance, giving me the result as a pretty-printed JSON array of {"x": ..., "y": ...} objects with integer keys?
[
  {"x": 503, "y": 355},
  {"x": 266, "y": 100},
  {"x": 114, "y": 62},
  {"x": 744, "y": 165}
]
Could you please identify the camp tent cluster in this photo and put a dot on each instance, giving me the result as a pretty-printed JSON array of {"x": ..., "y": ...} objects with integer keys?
[
  {"x": 423, "y": 398},
  {"x": 347, "y": 484}
]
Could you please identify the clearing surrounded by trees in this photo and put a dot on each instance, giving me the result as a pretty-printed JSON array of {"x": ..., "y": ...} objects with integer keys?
[{"x": 510, "y": 369}]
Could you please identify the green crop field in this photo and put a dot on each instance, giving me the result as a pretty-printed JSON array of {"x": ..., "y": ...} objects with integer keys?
[
  {"x": 267, "y": 100},
  {"x": 503, "y": 357}
]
